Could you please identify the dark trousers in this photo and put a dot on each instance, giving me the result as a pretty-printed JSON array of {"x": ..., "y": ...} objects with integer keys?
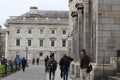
[
  {"x": 65, "y": 74},
  {"x": 51, "y": 74},
  {"x": 46, "y": 68},
  {"x": 23, "y": 67}
]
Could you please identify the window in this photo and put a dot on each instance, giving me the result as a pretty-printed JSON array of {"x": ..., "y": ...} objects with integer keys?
[
  {"x": 18, "y": 31},
  {"x": 17, "y": 42},
  {"x": 52, "y": 43},
  {"x": 64, "y": 32},
  {"x": 63, "y": 43},
  {"x": 40, "y": 54},
  {"x": 29, "y": 31},
  {"x": 29, "y": 42},
  {"x": 41, "y": 31},
  {"x": 41, "y": 42},
  {"x": 52, "y": 31}
]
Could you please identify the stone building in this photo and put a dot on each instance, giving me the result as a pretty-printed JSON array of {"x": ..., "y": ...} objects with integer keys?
[
  {"x": 37, "y": 33},
  {"x": 2, "y": 42},
  {"x": 95, "y": 26}
]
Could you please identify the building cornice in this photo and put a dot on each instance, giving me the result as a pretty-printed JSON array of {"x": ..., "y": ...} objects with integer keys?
[
  {"x": 79, "y": 6},
  {"x": 74, "y": 14}
]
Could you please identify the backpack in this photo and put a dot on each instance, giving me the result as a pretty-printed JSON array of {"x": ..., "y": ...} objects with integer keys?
[
  {"x": 52, "y": 64},
  {"x": 67, "y": 62},
  {"x": 89, "y": 68}
]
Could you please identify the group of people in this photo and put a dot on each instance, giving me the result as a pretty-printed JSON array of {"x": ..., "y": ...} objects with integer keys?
[
  {"x": 64, "y": 63},
  {"x": 37, "y": 61},
  {"x": 20, "y": 62},
  {"x": 51, "y": 66}
]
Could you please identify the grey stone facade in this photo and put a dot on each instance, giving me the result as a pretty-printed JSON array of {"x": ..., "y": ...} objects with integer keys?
[
  {"x": 2, "y": 42},
  {"x": 49, "y": 27},
  {"x": 100, "y": 24}
]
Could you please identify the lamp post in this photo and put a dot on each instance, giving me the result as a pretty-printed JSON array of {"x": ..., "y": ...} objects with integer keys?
[{"x": 27, "y": 56}]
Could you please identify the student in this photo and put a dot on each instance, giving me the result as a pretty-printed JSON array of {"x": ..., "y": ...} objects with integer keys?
[
  {"x": 52, "y": 66},
  {"x": 24, "y": 62},
  {"x": 46, "y": 61},
  {"x": 84, "y": 63},
  {"x": 64, "y": 66}
]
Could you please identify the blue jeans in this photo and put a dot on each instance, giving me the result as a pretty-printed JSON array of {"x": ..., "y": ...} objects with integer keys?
[{"x": 65, "y": 74}]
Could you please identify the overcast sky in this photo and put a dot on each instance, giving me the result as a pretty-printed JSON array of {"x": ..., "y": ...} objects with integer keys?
[{"x": 18, "y": 7}]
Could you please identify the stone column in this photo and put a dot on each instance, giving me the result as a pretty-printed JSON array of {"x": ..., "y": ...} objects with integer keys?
[
  {"x": 88, "y": 27},
  {"x": 6, "y": 44},
  {"x": 80, "y": 8},
  {"x": 75, "y": 44}
]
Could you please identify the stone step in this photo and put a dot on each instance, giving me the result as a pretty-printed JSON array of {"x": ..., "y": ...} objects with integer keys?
[{"x": 113, "y": 78}]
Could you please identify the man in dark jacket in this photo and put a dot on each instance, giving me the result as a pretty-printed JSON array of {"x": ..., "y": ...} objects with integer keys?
[
  {"x": 64, "y": 66},
  {"x": 24, "y": 62},
  {"x": 52, "y": 66},
  {"x": 85, "y": 61},
  {"x": 46, "y": 61}
]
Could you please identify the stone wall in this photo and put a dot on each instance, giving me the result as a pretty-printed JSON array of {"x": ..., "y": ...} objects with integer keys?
[{"x": 108, "y": 35}]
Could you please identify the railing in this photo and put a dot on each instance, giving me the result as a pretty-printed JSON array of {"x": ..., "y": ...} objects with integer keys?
[{"x": 8, "y": 69}]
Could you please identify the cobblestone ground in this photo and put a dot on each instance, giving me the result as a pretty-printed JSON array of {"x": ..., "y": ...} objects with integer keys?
[{"x": 33, "y": 72}]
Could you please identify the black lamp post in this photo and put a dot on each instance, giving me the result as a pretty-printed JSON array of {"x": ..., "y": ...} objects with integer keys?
[{"x": 27, "y": 56}]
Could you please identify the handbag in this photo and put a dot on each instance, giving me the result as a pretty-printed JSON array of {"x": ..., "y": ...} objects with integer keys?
[{"x": 89, "y": 68}]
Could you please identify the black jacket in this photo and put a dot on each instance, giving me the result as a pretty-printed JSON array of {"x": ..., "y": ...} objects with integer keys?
[
  {"x": 65, "y": 62},
  {"x": 85, "y": 60}
]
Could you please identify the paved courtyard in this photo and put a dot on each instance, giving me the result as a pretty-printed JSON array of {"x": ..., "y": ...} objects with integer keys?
[{"x": 33, "y": 72}]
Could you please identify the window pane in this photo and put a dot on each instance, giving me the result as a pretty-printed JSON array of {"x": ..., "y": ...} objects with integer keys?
[
  {"x": 41, "y": 42},
  {"x": 41, "y": 54},
  {"x": 18, "y": 31},
  {"x": 17, "y": 42},
  {"x": 29, "y": 42},
  {"x": 29, "y": 31},
  {"x": 41, "y": 31},
  {"x": 64, "y": 31},
  {"x": 52, "y": 43},
  {"x": 52, "y": 31},
  {"x": 63, "y": 43}
]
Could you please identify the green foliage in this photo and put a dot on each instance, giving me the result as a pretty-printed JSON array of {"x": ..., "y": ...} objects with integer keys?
[{"x": 2, "y": 69}]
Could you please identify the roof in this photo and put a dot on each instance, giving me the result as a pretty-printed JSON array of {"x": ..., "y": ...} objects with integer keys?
[{"x": 48, "y": 14}]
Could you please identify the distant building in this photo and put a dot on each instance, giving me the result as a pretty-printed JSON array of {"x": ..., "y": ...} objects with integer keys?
[
  {"x": 2, "y": 42},
  {"x": 37, "y": 33}
]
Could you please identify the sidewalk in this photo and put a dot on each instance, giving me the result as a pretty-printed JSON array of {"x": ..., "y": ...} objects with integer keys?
[
  {"x": 57, "y": 75},
  {"x": 33, "y": 72}
]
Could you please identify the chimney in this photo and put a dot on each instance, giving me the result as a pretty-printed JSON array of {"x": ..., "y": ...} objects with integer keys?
[{"x": 33, "y": 10}]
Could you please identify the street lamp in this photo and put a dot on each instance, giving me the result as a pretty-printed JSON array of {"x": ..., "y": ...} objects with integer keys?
[{"x": 27, "y": 56}]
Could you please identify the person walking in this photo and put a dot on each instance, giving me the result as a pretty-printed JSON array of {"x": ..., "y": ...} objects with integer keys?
[
  {"x": 46, "y": 61},
  {"x": 64, "y": 66},
  {"x": 52, "y": 66},
  {"x": 33, "y": 61},
  {"x": 84, "y": 63},
  {"x": 24, "y": 62},
  {"x": 37, "y": 61}
]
